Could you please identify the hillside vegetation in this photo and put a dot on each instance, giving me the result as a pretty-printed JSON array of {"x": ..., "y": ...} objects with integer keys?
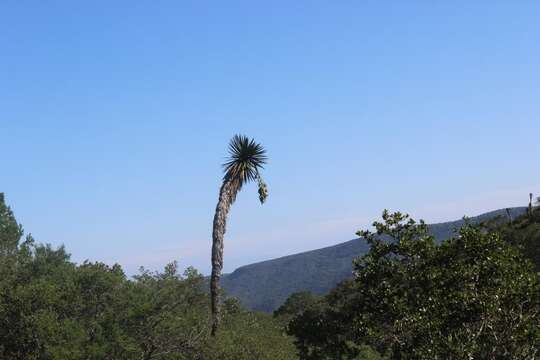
[
  {"x": 475, "y": 295},
  {"x": 51, "y": 308},
  {"x": 264, "y": 286}
]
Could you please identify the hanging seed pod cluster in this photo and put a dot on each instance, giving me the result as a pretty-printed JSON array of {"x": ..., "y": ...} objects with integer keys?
[{"x": 263, "y": 190}]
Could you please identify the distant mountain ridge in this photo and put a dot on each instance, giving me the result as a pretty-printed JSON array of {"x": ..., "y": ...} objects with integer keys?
[{"x": 265, "y": 285}]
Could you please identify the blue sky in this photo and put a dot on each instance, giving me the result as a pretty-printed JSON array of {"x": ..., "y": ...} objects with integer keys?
[{"x": 115, "y": 117}]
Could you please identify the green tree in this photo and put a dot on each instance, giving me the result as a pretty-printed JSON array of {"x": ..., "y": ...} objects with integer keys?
[
  {"x": 246, "y": 158},
  {"x": 167, "y": 314},
  {"x": 10, "y": 231},
  {"x": 295, "y": 305},
  {"x": 54, "y": 309},
  {"x": 246, "y": 335},
  {"x": 473, "y": 296},
  {"x": 523, "y": 233}
]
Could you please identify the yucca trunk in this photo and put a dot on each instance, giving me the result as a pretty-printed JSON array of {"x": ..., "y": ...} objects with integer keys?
[
  {"x": 227, "y": 195},
  {"x": 245, "y": 159},
  {"x": 529, "y": 210}
]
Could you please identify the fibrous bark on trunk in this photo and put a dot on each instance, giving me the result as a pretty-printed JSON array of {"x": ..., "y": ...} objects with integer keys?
[{"x": 227, "y": 195}]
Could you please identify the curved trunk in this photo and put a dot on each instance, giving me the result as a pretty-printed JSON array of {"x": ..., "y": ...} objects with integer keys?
[{"x": 227, "y": 195}]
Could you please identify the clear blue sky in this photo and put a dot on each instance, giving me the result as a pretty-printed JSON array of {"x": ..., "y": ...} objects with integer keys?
[{"x": 115, "y": 117}]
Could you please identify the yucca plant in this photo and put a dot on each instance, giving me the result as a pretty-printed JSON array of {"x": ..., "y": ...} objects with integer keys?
[{"x": 246, "y": 159}]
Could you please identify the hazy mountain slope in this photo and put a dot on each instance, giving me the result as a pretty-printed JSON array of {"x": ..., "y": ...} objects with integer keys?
[{"x": 265, "y": 285}]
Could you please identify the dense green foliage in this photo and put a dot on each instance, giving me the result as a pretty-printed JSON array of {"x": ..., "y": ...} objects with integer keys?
[
  {"x": 522, "y": 232},
  {"x": 51, "y": 308},
  {"x": 473, "y": 296}
]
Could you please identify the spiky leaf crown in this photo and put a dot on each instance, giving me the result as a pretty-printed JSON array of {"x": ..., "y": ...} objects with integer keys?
[{"x": 246, "y": 158}]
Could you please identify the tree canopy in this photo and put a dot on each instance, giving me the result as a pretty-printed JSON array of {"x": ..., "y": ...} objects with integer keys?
[
  {"x": 473, "y": 296},
  {"x": 52, "y": 308}
]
